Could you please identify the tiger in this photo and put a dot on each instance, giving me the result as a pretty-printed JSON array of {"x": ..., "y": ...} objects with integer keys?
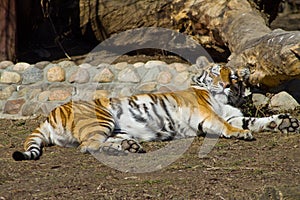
[{"x": 118, "y": 126}]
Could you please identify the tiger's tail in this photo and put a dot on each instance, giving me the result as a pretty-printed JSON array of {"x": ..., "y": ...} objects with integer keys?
[
  {"x": 34, "y": 144},
  {"x": 31, "y": 154}
]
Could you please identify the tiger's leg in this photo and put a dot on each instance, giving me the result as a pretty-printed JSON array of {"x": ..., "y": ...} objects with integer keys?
[
  {"x": 214, "y": 124},
  {"x": 282, "y": 122},
  {"x": 92, "y": 128},
  {"x": 93, "y": 135}
]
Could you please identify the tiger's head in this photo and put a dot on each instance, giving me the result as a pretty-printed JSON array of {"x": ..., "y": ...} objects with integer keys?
[{"x": 222, "y": 83}]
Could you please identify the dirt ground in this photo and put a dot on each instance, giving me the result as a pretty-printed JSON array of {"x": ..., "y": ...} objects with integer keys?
[{"x": 268, "y": 168}]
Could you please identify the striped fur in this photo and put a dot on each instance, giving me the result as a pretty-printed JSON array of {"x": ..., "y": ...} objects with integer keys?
[{"x": 118, "y": 125}]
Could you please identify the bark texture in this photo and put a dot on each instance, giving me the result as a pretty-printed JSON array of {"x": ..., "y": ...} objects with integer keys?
[
  {"x": 7, "y": 29},
  {"x": 273, "y": 57}
]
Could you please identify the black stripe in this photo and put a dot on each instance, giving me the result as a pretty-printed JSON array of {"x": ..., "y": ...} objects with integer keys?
[
  {"x": 168, "y": 138},
  {"x": 33, "y": 154},
  {"x": 253, "y": 121},
  {"x": 107, "y": 125},
  {"x": 31, "y": 148},
  {"x": 164, "y": 106},
  {"x": 200, "y": 129},
  {"x": 204, "y": 96},
  {"x": 146, "y": 109},
  {"x": 94, "y": 124},
  {"x": 137, "y": 117},
  {"x": 132, "y": 103},
  {"x": 245, "y": 123},
  {"x": 52, "y": 115},
  {"x": 153, "y": 98},
  {"x": 119, "y": 112},
  {"x": 52, "y": 118},
  {"x": 63, "y": 116},
  {"x": 201, "y": 76},
  {"x": 207, "y": 100},
  {"x": 31, "y": 143},
  {"x": 230, "y": 118},
  {"x": 104, "y": 115},
  {"x": 155, "y": 111}
]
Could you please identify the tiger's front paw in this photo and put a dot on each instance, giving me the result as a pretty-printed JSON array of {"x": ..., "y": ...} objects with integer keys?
[{"x": 287, "y": 124}]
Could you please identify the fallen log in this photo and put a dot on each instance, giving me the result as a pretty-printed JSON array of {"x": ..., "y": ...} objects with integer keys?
[{"x": 236, "y": 27}]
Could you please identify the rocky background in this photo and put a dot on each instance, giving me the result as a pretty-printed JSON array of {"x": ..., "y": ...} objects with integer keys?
[
  {"x": 34, "y": 89},
  {"x": 29, "y": 90}
]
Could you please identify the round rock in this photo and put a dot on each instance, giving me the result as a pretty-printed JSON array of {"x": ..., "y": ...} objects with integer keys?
[
  {"x": 104, "y": 76},
  {"x": 59, "y": 95},
  {"x": 80, "y": 76},
  {"x": 21, "y": 66},
  {"x": 164, "y": 77},
  {"x": 10, "y": 77},
  {"x": 32, "y": 76},
  {"x": 66, "y": 63},
  {"x": 6, "y": 63},
  {"x": 283, "y": 101},
  {"x": 129, "y": 75},
  {"x": 56, "y": 74},
  {"x": 13, "y": 106},
  {"x": 41, "y": 64},
  {"x": 155, "y": 63}
]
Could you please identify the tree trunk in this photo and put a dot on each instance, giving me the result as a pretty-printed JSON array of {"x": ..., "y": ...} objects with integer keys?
[
  {"x": 7, "y": 29},
  {"x": 272, "y": 56}
]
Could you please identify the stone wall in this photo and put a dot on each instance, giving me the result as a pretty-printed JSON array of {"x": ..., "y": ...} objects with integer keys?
[{"x": 30, "y": 90}]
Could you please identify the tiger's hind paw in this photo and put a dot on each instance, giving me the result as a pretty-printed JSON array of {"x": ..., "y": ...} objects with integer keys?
[
  {"x": 132, "y": 146},
  {"x": 288, "y": 124},
  {"x": 126, "y": 146}
]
